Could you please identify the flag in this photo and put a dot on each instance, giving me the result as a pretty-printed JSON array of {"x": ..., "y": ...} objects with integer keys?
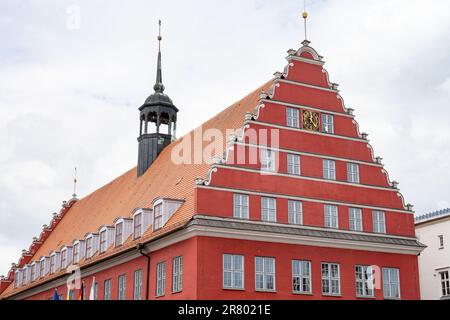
[
  {"x": 55, "y": 295},
  {"x": 80, "y": 297},
  {"x": 92, "y": 293},
  {"x": 68, "y": 294}
]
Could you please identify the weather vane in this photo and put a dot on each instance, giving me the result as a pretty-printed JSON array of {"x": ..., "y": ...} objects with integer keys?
[
  {"x": 305, "y": 17},
  {"x": 159, "y": 34},
  {"x": 75, "y": 184}
]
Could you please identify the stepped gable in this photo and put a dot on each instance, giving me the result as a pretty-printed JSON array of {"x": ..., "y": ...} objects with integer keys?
[{"x": 305, "y": 85}]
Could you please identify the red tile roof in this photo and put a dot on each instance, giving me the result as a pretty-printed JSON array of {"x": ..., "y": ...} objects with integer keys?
[{"x": 128, "y": 192}]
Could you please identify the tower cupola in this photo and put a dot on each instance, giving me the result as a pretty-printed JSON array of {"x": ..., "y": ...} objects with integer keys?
[{"x": 157, "y": 110}]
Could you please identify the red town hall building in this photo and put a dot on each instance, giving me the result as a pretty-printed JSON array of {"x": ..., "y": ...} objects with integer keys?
[{"x": 292, "y": 205}]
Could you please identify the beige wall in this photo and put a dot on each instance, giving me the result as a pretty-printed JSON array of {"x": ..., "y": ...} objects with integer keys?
[{"x": 433, "y": 259}]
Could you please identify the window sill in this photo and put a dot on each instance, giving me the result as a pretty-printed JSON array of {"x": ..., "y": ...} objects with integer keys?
[
  {"x": 161, "y": 296},
  {"x": 366, "y": 297},
  {"x": 177, "y": 292},
  {"x": 241, "y": 219},
  {"x": 332, "y": 295},
  {"x": 303, "y": 293},
  {"x": 265, "y": 291},
  {"x": 234, "y": 289},
  {"x": 393, "y": 299}
]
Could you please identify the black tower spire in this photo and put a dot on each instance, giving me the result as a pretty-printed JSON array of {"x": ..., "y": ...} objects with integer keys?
[{"x": 158, "y": 109}]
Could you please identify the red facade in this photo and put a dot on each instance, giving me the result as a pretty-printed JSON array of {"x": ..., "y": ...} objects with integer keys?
[{"x": 303, "y": 86}]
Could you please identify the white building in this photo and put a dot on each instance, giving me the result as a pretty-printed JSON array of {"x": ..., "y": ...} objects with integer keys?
[{"x": 433, "y": 230}]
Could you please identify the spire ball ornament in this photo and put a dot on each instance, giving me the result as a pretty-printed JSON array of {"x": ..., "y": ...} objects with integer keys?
[{"x": 305, "y": 15}]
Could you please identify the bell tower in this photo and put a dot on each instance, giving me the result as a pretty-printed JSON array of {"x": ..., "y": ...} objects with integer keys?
[{"x": 157, "y": 110}]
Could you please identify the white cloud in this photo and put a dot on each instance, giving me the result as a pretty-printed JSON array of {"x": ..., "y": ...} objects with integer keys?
[{"x": 70, "y": 97}]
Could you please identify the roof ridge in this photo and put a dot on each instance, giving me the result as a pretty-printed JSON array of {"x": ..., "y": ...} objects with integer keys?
[{"x": 433, "y": 214}]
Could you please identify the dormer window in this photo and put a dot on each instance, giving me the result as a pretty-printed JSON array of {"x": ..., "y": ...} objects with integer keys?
[
  {"x": 137, "y": 225},
  {"x": 163, "y": 209},
  {"x": 123, "y": 229},
  {"x": 103, "y": 241},
  {"x": 119, "y": 234},
  {"x": 105, "y": 238},
  {"x": 158, "y": 224},
  {"x": 63, "y": 259}
]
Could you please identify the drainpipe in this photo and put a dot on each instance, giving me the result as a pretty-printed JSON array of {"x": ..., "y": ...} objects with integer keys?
[{"x": 140, "y": 247}]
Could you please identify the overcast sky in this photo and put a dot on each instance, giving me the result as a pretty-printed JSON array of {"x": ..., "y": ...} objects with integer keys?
[{"x": 69, "y": 95}]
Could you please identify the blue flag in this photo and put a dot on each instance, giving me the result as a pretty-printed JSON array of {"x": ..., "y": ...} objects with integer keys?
[{"x": 55, "y": 295}]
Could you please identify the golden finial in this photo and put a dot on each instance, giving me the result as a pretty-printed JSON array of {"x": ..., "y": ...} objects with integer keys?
[{"x": 305, "y": 16}]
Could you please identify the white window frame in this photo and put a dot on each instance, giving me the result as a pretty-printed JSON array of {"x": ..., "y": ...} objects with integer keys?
[
  {"x": 379, "y": 221},
  {"x": 331, "y": 216},
  {"x": 24, "y": 276},
  {"x": 64, "y": 257},
  {"x": 42, "y": 271},
  {"x": 265, "y": 274},
  {"x": 231, "y": 271},
  {"x": 137, "y": 285},
  {"x": 107, "y": 289},
  {"x": 118, "y": 233},
  {"x": 330, "y": 279},
  {"x": 389, "y": 283},
  {"x": 329, "y": 169},
  {"x": 292, "y": 117},
  {"x": 441, "y": 242},
  {"x": 353, "y": 173},
  {"x": 101, "y": 248},
  {"x": 355, "y": 219},
  {"x": 158, "y": 216},
  {"x": 89, "y": 246},
  {"x": 301, "y": 276},
  {"x": 364, "y": 277},
  {"x": 161, "y": 279},
  {"x": 122, "y": 287},
  {"x": 267, "y": 159},
  {"x": 16, "y": 279},
  {"x": 241, "y": 206},
  {"x": 445, "y": 283},
  {"x": 268, "y": 209},
  {"x": 327, "y": 123},
  {"x": 33, "y": 272},
  {"x": 52, "y": 263},
  {"x": 294, "y": 164},
  {"x": 177, "y": 274},
  {"x": 138, "y": 216},
  {"x": 76, "y": 253},
  {"x": 295, "y": 212}
]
